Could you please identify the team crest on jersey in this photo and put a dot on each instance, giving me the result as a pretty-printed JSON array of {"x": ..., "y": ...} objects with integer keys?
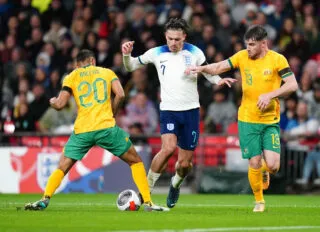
[
  {"x": 170, "y": 126},
  {"x": 267, "y": 72},
  {"x": 187, "y": 60}
]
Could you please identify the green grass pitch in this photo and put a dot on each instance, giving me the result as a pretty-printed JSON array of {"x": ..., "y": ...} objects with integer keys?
[{"x": 193, "y": 213}]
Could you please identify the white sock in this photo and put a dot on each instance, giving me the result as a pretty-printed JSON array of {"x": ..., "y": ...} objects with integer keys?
[
  {"x": 177, "y": 181},
  {"x": 152, "y": 179}
]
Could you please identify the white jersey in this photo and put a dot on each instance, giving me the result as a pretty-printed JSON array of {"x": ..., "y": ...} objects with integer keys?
[{"x": 178, "y": 91}]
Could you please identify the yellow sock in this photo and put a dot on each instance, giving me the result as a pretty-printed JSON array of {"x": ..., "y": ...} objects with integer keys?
[
  {"x": 54, "y": 182},
  {"x": 140, "y": 179},
  {"x": 264, "y": 166},
  {"x": 255, "y": 179}
]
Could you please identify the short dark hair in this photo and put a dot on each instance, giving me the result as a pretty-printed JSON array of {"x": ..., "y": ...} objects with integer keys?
[
  {"x": 84, "y": 54},
  {"x": 177, "y": 24},
  {"x": 256, "y": 33}
]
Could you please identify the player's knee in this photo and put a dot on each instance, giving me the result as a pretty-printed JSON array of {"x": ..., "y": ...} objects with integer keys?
[
  {"x": 273, "y": 167},
  {"x": 255, "y": 163},
  {"x": 168, "y": 149},
  {"x": 134, "y": 160},
  {"x": 185, "y": 164}
]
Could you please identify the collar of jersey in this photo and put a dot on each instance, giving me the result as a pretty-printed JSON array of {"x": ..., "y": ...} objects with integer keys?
[{"x": 86, "y": 66}]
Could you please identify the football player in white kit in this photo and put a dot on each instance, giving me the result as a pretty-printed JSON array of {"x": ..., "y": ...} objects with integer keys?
[{"x": 179, "y": 106}]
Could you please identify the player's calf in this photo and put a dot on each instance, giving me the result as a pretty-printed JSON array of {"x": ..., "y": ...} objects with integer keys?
[{"x": 265, "y": 179}]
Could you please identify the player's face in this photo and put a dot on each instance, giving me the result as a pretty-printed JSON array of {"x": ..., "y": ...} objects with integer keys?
[
  {"x": 175, "y": 39},
  {"x": 255, "y": 48}
]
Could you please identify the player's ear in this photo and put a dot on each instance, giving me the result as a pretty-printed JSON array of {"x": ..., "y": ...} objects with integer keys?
[
  {"x": 93, "y": 61},
  {"x": 184, "y": 36}
]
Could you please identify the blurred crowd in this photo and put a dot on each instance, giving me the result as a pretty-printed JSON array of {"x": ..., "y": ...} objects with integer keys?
[{"x": 39, "y": 40}]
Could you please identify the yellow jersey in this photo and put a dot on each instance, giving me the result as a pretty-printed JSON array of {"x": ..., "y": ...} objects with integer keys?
[
  {"x": 260, "y": 76},
  {"x": 91, "y": 88}
]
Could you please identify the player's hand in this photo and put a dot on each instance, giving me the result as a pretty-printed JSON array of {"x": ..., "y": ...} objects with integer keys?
[
  {"x": 193, "y": 69},
  {"x": 53, "y": 101},
  {"x": 227, "y": 81},
  {"x": 264, "y": 100},
  {"x": 127, "y": 47}
]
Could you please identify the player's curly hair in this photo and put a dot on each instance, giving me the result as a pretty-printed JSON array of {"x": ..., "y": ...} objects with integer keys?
[
  {"x": 256, "y": 33},
  {"x": 177, "y": 24},
  {"x": 84, "y": 54}
]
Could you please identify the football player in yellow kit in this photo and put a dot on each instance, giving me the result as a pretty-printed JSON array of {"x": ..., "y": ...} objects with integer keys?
[
  {"x": 262, "y": 72},
  {"x": 91, "y": 87}
]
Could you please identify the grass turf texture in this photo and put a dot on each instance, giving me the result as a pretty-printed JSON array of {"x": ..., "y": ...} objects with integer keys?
[{"x": 98, "y": 212}]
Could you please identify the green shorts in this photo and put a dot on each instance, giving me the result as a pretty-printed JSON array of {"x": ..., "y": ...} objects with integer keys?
[
  {"x": 113, "y": 139},
  {"x": 256, "y": 137}
]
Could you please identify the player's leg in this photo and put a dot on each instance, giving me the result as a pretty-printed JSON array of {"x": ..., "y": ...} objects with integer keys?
[
  {"x": 270, "y": 165},
  {"x": 265, "y": 175},
  {"x": 118, "y": 143},
  {"x": 53, "y": 183},
  {"x": 256, "y": 182},
  {"x": 183, "y": 167},
  {"x": 160, "y": 161},
  {"x": 188, "y": 135},
  {"x": 250, "y": 144},
  {"x": 271, "y": 152},
  {"x": 168, "y": 129},
  {"x": 76, "y": 147},
  {"x": 132, "y": 158}
]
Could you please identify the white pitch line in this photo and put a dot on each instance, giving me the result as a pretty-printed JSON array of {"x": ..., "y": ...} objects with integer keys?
[
  {"x": 261, "y": 228},
  {"x": 179, "y": 205}
]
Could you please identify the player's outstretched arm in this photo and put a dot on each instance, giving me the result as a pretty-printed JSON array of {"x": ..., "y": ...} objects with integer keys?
[
  {"x": 61, "y": 101},
  {"x": 212, "y": 69},
  {"x": 130, "y": 63},
  {"x": 290, "y": 85},
  {"x": 227, "y": 81},
  {"x": 216, "y": 79},
  {"x": 119, "y": 96}
]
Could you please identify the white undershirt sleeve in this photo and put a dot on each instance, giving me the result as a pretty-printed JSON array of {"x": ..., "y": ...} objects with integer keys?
[
  {"x": 213, "y": 79},
  {"x": 131, "y": 63}
]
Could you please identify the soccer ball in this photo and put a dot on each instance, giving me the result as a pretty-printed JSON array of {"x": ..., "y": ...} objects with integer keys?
[{"x": 128, "y": 200}]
